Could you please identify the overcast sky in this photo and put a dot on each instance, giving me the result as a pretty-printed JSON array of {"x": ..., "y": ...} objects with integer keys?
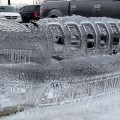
[{"x": 17, "y": 1}]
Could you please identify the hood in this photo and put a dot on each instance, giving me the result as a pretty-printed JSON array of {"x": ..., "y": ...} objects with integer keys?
[{"x": 9, "y": 14}]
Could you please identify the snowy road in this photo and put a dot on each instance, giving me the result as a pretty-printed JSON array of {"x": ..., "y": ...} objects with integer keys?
[{"x": 103, "y": 108}]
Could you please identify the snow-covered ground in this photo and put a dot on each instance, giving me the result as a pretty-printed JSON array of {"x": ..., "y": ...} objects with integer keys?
[
  {"x": 102, "y": 108},
  {"x": 106, "y": 107}
]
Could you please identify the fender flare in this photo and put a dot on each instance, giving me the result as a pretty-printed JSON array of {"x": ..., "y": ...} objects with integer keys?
[{"x": 54, "y": 13}]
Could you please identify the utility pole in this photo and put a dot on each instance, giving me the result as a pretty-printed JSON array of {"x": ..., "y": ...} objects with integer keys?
[{"x": 8, "y": 2}]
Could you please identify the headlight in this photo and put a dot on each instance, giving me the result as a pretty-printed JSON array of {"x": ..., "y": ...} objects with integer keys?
[
  {"x": 1, "y": 16},
  {"x": 19, "y": 17}
]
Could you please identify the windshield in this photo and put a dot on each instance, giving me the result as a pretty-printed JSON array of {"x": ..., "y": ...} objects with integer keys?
[{"x": 7, "y": 9}]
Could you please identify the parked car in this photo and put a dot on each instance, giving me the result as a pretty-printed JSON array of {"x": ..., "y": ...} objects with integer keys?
[
  {"x": 9, "y": 13},
  {"x": 30, "y": 12},
  {"x": 87, "y": 8}
]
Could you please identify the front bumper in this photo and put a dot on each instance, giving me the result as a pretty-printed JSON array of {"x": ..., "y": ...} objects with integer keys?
[{"x": 16, "y": 20}]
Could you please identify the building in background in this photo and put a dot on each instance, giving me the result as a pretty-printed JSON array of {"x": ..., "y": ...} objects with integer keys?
[
  {"x": 37, "y": 2},
  {"x": 16, "y": 2},
  {"x": 20, "y": 3}
]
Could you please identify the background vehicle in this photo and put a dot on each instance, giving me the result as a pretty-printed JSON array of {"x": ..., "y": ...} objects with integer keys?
[
  {"x": 9, "y": 13},
  {"x": 87, "y": 8},
  {"x": 30, "y": 12}
]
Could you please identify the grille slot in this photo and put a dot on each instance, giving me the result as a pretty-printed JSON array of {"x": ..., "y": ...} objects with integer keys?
[{"x": 11, "y": 17}]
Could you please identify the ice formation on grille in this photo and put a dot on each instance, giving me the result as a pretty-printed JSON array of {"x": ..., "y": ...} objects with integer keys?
[{"x": 54, "y": 61}]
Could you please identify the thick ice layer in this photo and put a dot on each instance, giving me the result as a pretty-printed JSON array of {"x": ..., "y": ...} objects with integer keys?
[
  {"x": 81, "y": 37},
  {"x": 104, "y": 108},
  {"x": 36, "y": 70}
]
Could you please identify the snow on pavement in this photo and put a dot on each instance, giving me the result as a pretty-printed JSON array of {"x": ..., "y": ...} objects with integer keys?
[{"x": 102, "y": 108}]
